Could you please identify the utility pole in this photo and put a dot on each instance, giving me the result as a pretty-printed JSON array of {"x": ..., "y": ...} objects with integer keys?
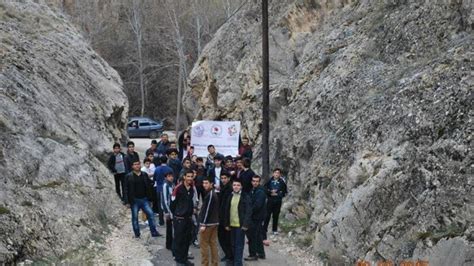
[{"x": 265, "y": 94}]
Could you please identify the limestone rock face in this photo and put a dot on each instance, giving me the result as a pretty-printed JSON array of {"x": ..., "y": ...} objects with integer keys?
[
  {"x": 371, "y": 116},
  {"x": 61, "y": 108}
]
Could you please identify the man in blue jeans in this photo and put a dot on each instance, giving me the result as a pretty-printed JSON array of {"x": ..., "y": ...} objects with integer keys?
[
  {"x": 237, "y": 219},
  {"x": 137, "y": 192}
]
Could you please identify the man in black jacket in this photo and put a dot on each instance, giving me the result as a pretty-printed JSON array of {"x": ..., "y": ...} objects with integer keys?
[
  {"x": 222, "y": 234},
  {"x": 246, "y": 175},
  {"x": 237, "y": 219},
  {"x": 254, "y": 234},
  {"x": 182, "y": 207},
  {"x": 209, "y": 220},
  {"x": 137, "y": 192},
  {"x": 130, "y": 157},
  {"x": 116, "y": 165},
  {"x": 276, "y": 190}
]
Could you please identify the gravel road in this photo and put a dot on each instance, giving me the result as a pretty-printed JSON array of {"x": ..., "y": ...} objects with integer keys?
[{"x": 122, "y": 248}]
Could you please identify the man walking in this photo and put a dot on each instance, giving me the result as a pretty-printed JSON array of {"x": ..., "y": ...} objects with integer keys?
[
  {"x": 223, "y": 234},
  {"x": 137, "y": 193},
  {"x": 276, "y": 190},
  {"x": 254, "y": 234},
  {"x": 117, "y": 166},
  {"x": 209, "y": 220},
  {"x": 237, "y": 218},
  {"x": 182, "y": 207}
]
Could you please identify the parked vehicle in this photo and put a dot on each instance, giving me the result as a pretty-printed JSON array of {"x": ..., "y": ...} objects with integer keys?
[{"x": 144, "y": 127}]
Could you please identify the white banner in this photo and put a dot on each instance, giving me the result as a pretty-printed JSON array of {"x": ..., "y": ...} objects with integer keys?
[{"x": 224, "y": 135}]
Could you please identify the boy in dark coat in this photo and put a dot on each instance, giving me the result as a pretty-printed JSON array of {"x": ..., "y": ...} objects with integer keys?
[
  {"x": 254, "y": 234},
  {"x": 223, "y": 234},
  {"x": 237, "y": 219}
]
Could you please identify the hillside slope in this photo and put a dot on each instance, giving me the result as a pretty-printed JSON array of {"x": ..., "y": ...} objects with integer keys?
[
  {"x": 61, "y": 108},
  {"x": 371, "y": 116}
]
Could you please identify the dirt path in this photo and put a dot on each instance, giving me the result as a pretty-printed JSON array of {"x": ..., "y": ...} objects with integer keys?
[{"x": 123, "y": 249}]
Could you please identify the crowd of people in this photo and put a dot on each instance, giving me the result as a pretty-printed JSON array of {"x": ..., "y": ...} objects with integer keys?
[{"x": 220, "y": 199}]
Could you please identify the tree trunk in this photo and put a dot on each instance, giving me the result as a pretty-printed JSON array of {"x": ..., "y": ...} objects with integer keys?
[
  {"x": 135, "y": 21},
  {"x": 178, "y": 101},
  {"x": 198, "y": 34},
  {"x": 140, "y": 69}
]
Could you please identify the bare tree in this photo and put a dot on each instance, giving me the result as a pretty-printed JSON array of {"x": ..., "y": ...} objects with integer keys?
[
  {"x": 182, "y": 72},
  {"x": 227, "y": 8},
  {"x": 135, "y": 20},
  {"x": 198, "y": 25},
  {"x": 152, "y": 44}
]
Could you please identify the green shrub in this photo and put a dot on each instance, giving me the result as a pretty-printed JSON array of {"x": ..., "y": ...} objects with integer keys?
[
  {"x": 52, "y": 184},
  {"x": 27, "y": 203},
  {"x": 287, "y": 226},
  {"x": 4, "y": 210},
  {"x": 304, "y": 241},
  {"x": 452, "y": 230}
]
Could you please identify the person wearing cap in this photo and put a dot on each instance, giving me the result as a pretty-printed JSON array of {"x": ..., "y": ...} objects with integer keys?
[
  {"x": 222, "y": 234},
  {"x": 215, "y": 171},
  {"x": 209, "y": 221}
]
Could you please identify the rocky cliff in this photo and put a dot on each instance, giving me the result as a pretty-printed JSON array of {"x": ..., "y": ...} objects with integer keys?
[
  {"x": 61, "y": 108},
  {"x": 371, "y": 116}
]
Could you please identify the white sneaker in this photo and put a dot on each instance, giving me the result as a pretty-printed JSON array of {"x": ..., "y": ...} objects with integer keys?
[{"x": 275, "y": 233}]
